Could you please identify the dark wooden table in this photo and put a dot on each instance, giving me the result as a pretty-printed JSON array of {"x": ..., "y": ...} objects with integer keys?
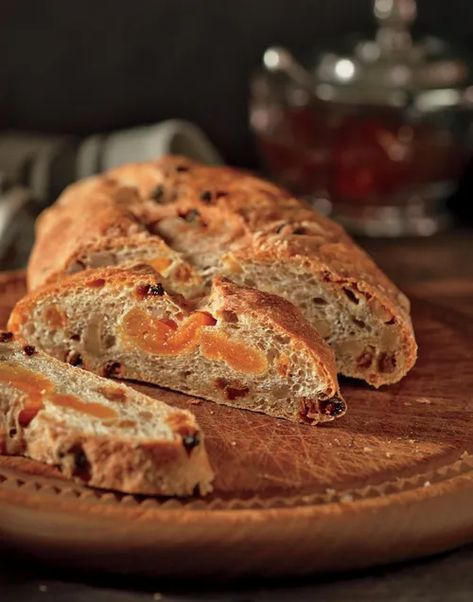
[{"x": 438, "y": 268}]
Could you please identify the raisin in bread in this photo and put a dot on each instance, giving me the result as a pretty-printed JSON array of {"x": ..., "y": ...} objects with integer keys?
[
  {"x": 199, "y": 221},
  {"x": 97, "y": 431},
  {"x": 239, "y": 347}
]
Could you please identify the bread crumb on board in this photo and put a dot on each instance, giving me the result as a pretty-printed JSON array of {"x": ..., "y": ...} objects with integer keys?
[{"x": 195, "y": 402}]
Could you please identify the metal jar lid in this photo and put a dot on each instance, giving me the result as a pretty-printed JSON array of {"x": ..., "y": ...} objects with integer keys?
[{"x": 391, "y": 69}]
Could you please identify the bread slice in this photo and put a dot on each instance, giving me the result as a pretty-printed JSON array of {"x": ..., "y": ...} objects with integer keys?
[
  {"x": 216, "y": 220},
  {"x": 96, "y": 431},
  {"x": 239, "y": 347}
]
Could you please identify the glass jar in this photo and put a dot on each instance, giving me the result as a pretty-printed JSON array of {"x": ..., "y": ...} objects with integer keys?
[{"x": 378, "y": 135}]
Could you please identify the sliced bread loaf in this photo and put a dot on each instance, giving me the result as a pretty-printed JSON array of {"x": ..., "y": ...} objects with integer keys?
[
  {"x": 216, "y": 220},
  {"x": 239, "y": 347},
  {"x": 97, "y": 431}
]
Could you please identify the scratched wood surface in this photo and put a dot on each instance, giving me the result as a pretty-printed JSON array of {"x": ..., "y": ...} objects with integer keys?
[{"x": 392, "y": 479}]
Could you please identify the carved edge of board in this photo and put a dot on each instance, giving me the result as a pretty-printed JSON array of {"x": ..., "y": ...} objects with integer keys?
[{"x": 13, "y": 482}]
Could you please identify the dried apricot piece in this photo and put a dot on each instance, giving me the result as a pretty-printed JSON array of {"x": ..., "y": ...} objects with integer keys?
[
  {"x": 97, "y": 410},
  {"x": 160, "y": 264},
  {"x": 162, "y": 336},
  {"x": 235, "y": 353}
]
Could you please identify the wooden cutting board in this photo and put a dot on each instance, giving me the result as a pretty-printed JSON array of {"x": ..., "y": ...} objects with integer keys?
[{"x": 393, "y": 479}]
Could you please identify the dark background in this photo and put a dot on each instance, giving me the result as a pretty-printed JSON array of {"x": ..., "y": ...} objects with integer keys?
[{"x": 98, "y": 65}]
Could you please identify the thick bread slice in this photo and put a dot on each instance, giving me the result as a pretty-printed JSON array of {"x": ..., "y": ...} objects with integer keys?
[
  {"x": 95, "y": 430},
  {"x": 221, "y": 221},
  {"x": 239, "y": 347}
]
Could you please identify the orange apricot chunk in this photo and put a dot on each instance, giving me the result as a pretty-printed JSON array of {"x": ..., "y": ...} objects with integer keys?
[
  {"x": 97, "y": 410},
  {"x": 160, "y": 264},
  {"x": 236, "y": 354},
  {"x": 283, "y": 364},
  {"x": 32, "y": 384},
  {"x": 55, "y": 318},
  {"x": 161, "y": 336},
  {"x": 37, "y": 388}
]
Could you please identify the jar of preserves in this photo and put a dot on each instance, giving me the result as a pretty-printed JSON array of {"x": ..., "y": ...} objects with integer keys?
[{"x": 377, "y": 133}]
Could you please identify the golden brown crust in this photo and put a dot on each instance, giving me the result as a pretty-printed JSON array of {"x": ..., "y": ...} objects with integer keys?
[
  {"x": 72, "y": 225},
  {"x": 207, "y": 212},
  {"x": 120, "y": 203}
]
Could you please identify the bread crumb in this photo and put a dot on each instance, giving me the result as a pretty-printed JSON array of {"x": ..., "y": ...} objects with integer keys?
[
  {"x": 423, "y": 400},
  {"x": 195, "y": 402},
  {"x": 427, "y": 484},
  {"x": 43, "y": 588},
  {"x": 407, "y": 403},
  {"x": 389, "y": 455},
  {"x": 211, "y": 412},
  {"x": 367, "y": 449},
  {"x": 412, "y": 441},
  {"x": 330, "y": 491},
  {"x": 346, "y": 497},
  {"x": 233, "y": 443}
]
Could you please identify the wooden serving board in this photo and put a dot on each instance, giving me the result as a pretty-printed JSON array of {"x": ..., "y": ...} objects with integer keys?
[{"x": 393, "y": 479}]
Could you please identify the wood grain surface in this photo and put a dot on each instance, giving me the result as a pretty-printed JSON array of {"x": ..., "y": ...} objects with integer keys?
[{"x": 392, "y": 479}]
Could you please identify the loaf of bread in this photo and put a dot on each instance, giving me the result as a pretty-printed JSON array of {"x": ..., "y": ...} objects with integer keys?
[
  {"x": 192, "y": 222},
  {"x": 94, "y": 430},
  {"x": 238, "y": 346}
]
